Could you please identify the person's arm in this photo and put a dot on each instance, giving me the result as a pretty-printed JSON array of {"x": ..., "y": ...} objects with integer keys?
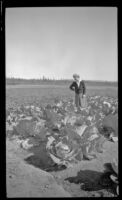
[
  {"x": 72, "y": 87},
  {"x": 84, "y": 88}
]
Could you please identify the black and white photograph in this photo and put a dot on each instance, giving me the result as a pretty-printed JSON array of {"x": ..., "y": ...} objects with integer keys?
[{"x": 61, "y": 71}]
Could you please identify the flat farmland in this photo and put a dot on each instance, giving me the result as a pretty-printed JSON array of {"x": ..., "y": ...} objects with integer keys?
[
  {"x": 29, "y": 173},
  {"x": 43, "y": 94}
]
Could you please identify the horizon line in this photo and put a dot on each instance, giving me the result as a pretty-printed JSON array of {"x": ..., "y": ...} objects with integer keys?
[{"x": 55, "y": 79}]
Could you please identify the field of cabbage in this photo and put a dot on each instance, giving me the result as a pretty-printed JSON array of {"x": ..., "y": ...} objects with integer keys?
[
  {"x": 42, "y": 120},
  {"x": 27, "y": 94}
]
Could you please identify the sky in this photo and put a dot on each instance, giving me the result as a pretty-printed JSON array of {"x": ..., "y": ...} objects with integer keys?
[{"x": 57, "y": 42}]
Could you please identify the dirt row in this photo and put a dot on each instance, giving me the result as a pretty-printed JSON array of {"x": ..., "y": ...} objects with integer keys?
[{"x": 24, "y": 180}]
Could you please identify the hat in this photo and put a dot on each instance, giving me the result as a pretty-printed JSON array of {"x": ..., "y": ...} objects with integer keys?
[{"x": 75, "y": 75}]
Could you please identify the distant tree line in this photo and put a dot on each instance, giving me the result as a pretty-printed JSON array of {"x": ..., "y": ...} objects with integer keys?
[{"x": 44, "y": 80}]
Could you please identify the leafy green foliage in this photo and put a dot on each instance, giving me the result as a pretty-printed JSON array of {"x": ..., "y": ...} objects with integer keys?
[{"x": 69, "y": 136}]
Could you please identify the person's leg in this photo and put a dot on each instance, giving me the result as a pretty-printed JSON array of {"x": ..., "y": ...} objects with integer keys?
[
  {"x": 80, "y": 98},
  {"x": 83, "y": 102},
  {"x": 77, "y": 101}
]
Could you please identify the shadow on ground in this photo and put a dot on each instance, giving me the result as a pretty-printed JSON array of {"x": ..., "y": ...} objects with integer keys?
[
  {"x": 93, "y": 181},
  {"x": 42, "y": 160},
  {"x": 89, "y": 180}
]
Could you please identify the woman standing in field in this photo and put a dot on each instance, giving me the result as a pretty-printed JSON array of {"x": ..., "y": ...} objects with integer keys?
[{"x": 80, "y": 92}]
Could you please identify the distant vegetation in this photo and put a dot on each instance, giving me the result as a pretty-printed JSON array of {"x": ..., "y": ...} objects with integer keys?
[{"x": 46, "y": 81}]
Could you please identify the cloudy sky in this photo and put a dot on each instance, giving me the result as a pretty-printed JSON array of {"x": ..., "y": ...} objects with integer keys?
[{"x": 57, "y": 42}]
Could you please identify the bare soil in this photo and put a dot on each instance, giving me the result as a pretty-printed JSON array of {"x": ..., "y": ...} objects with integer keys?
[{"x": 81, "y": 180}]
